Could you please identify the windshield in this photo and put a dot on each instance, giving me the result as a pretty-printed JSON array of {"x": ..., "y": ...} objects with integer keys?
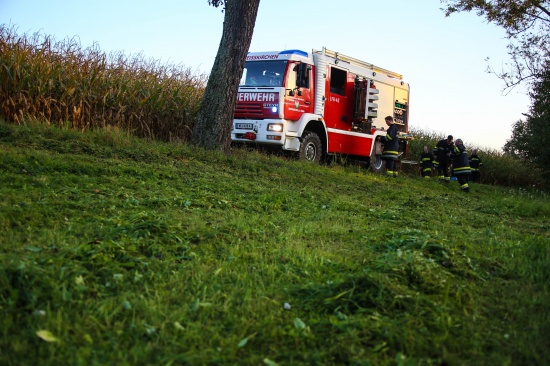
[{"x": 263, "y": 73}]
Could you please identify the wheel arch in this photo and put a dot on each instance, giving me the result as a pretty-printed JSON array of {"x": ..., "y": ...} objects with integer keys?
[{"x": 319, "y": 128}]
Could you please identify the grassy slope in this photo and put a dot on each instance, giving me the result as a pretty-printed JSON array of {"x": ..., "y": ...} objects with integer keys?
[{"x": 130, "y": 252}]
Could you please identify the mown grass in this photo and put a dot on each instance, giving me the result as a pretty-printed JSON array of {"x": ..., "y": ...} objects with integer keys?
[{"x": 115, "y": 250}]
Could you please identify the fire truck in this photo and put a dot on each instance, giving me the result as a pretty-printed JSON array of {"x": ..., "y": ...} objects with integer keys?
[{"x": 319, "y": 104}]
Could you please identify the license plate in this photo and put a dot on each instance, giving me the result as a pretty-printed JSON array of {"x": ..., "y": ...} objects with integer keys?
[{"x": 243, "y": 126}]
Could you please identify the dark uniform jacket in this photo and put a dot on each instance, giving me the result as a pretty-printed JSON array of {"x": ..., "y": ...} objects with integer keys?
[
  {"x": 436, "y": 161},
  {"x": 461, "y": 164},
  {"x": 443, "y": 149},
  {"x": 391, "y": 144},
  {"x": 426, "y": 160},
  {"x": 475, "y": 162}
]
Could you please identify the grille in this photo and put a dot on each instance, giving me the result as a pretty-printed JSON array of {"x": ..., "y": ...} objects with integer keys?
[{"x": 248, "y": 111}]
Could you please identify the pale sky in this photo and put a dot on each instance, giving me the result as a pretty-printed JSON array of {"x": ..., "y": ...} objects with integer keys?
[{"x": 443, "y": 59}]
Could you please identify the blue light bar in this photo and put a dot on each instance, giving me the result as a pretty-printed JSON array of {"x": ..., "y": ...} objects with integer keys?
[{"x": 294, "y": 52}]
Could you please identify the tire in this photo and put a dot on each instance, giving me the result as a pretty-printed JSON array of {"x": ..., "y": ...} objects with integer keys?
[
  {"x": 377, "y": 165},
  {"x": 363, "y": 162},
  {"x": 311, "y": 147}
]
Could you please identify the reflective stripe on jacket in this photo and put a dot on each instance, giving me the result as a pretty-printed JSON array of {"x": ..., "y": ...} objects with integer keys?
[
  {"x": 461, "y": 164},
  {"x": 426, "y": 160},
  {"x": 475, "y": 162},
  {"x": 391, "y": 144}
]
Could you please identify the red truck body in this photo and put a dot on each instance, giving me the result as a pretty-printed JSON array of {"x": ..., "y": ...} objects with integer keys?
[{"x": 318, "y": 104}]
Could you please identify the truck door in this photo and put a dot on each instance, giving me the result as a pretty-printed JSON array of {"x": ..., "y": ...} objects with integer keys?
[
  {"x": 298, "y": 93},
  {"x": 336, "y": 104}
]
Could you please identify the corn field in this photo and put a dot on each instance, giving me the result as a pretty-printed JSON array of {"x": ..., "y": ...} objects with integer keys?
[{"x": 60, "y": 83}]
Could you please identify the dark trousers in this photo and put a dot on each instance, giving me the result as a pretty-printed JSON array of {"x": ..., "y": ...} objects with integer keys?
[
  {"x": 391, "y": 165},
  {"x": 443, "y": 167},
  {"x": 463, "y": 181}
]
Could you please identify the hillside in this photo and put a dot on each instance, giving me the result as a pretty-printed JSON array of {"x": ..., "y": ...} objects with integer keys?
[{"x": 118, "y": 250}]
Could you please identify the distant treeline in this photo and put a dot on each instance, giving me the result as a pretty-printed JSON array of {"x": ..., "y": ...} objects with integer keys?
[{"x": 59, "y": 83}]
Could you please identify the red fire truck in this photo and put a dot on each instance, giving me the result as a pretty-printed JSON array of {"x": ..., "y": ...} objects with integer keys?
[{"x": 319, "y": 104}]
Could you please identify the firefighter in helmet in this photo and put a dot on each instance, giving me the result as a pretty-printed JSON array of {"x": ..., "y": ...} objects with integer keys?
[
  {"x": 444, "y": 149},
  {"x": 436, "y": 163},
  {"x": 461, "y": 165},
  {"x": 391, "y": 147},
  {"x": 426, "y": 162},
  {"x": 475, "y": 164}
]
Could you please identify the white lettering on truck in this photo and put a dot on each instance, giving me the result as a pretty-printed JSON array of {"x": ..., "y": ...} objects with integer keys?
[{"x": 256, "y": 97}]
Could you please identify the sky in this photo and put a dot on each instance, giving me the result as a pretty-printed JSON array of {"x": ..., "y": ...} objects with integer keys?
[{"x": 444, "y": 59}]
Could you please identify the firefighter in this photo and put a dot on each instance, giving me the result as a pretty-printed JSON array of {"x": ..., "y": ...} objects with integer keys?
[
  {"x": 436, "y": 163},
  {"x": 444, "y": 149},
  {"x": 475, "y": 164},
  {"x": 391, "y": 147},
  {"x": 461, "y": 165},
  {"x": 426, "y": 162}
]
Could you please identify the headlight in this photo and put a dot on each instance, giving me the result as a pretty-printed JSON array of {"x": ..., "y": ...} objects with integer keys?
[
  {"x": 274, "y": 109},
  {"x": 275, "y": 127}
]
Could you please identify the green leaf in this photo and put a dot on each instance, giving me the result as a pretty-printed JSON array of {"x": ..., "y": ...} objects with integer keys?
[
  {"x": 243, "y": 342},
  {"x": 196, "y": 305},
  {"x": 79, "y": 280},
  {"x": 299, "y": 324},
  {"x": 47, "y": 336}
]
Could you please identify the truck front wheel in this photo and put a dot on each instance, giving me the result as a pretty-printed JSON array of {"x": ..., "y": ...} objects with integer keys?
[{"x": 311, "y": 147}]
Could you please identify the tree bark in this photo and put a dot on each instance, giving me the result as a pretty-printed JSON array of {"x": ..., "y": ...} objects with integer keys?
[{"x": 212, "y": 128}]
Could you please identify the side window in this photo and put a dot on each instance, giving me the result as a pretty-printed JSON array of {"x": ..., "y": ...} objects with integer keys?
[{"x": 338, "y": 81}]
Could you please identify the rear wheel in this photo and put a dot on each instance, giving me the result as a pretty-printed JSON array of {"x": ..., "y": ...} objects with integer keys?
[
  {"x": 377, "y": 165},
  {"x": 311, "y": 147}
]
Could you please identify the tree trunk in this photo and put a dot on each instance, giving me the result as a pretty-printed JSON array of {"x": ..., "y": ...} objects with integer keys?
[{"x": 212, "y": 128}]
